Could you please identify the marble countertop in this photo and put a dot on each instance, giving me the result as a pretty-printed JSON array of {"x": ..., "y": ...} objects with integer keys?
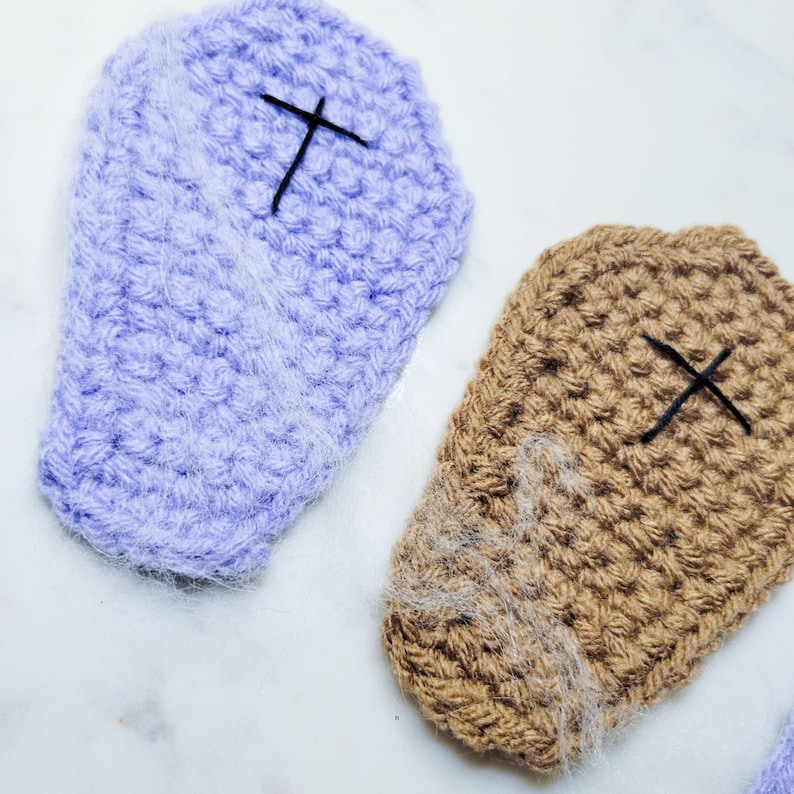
[{"x": 560, "y": 115}]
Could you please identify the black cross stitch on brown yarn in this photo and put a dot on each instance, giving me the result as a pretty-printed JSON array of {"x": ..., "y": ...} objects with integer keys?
[{"x": 701, "y": 380}]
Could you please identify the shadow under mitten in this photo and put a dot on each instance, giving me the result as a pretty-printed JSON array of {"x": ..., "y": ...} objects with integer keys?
[
  {"x": 263, "y": 216},
  {"x": 613, "y": 495}
]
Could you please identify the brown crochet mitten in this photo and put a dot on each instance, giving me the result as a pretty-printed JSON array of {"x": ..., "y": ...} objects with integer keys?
[{"x": 613, "y": 495}]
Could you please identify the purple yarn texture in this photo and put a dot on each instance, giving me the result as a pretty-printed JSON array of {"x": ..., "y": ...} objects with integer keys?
[
  {"x": 778, "y": 775},
  {"x": 218, "y": 360}
]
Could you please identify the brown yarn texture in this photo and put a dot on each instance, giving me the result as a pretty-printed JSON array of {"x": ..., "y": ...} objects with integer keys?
[{"x": 558, "y": 574}]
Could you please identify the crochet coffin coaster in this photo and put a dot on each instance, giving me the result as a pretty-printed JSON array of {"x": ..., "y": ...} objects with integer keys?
[
  {"x": 612, "y": 496},
  {"x": 263, "y": 216}
]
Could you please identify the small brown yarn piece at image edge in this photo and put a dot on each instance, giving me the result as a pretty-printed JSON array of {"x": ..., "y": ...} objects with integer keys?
[{"x": 612, "y": 497}]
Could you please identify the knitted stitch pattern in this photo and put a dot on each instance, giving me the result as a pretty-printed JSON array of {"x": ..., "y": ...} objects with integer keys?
[
  {"x": 777, "y": 776},
  {"x": 563, "y": 569},
  {"x": 263, "y": 216}
]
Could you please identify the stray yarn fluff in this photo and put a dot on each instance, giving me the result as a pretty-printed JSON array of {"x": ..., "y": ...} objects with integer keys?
[
  {"x": 777, "y": 776},
  {"x": 612, "y": 496},
  {"x": 264, "y": 214}
]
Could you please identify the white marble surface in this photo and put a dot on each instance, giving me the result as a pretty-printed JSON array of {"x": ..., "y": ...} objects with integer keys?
[{"x": 561, "y": 115}]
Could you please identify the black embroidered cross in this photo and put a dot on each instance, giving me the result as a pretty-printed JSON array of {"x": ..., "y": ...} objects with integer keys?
[
  {"x": 701, "y": 380},
  {"x": 314, "y": 120}
]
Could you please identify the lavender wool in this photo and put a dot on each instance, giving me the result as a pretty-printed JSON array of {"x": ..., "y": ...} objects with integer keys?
[
  {"x": 778, "y": 775},
  {"x": 264, "y": 214}
]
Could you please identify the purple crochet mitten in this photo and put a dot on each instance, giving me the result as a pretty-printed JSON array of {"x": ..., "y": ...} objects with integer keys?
[
  {"x": 263, "y": 216},
  {"x": 778, "y": 775}
]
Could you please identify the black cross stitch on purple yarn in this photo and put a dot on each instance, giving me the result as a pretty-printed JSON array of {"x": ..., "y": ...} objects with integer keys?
[
  {"x": 701, "y": 380},
  {"x": 314, "y": 120}
]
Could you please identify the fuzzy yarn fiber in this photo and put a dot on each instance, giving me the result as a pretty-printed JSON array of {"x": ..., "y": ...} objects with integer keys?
[
  {"x": 613, "y": 495},
  {"x": 777, "y": 777},
  {"x": 220, "y": 358}
]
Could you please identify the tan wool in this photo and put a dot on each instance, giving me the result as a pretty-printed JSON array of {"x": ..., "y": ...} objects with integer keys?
[{"x": 613, "y": 495}]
